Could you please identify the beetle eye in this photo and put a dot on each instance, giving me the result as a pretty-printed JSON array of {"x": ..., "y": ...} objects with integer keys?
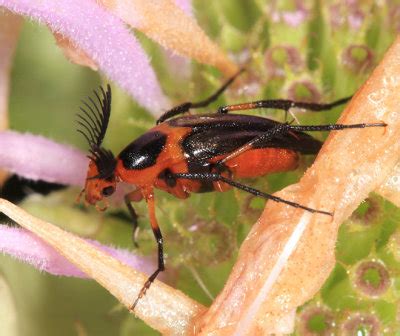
[{"x": 108, "y": 191}]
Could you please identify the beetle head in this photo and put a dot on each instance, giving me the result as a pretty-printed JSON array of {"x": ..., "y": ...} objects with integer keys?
[{"x": 100, "y": 179}]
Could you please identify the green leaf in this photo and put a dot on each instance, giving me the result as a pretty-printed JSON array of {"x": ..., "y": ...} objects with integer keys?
[{"x": 355, "y": 243}]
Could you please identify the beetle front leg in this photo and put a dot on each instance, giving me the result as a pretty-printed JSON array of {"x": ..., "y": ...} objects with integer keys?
[
  {"x": 132, "y": 197},
  {"x": 185, "y": 107},
  {"x": 149, "y": 196},
  {"x": 282, "y": 104}
]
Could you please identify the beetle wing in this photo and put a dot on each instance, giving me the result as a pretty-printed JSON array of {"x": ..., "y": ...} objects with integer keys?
[{"x": 214, "y": 135}]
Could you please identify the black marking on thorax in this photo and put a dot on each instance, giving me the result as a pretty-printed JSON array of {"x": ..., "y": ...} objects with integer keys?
[{"x": 143, "y": 152}]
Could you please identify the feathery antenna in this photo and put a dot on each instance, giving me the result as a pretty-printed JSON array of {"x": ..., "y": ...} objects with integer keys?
[
  {"x": 93, "y": 122},
  {"x": 94, "y": 116}
]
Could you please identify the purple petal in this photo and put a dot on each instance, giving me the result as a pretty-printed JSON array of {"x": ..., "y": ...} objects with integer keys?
[
  {"x": 27, "y": 247},
  {"x": 36, "y": 157},
  {"x": 105, "y": 39},
  {"x": 178, "y": 65}
]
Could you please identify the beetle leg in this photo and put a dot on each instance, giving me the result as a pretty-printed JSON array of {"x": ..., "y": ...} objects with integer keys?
[
  {"x": 149, "y": 196},
  {"x": 78, "y": 199},
  {"x": 280, "y": 128},
  {"x": 283, "y": 128},
  {"x": 282, "y": 104},
  {"x": 331, "y": 127},
  {"x": 182, "y": 108},
  {"x": 128, "y": 199},
  {"x": 102, "y": 208},
  {"x": 250, "y": 190}
]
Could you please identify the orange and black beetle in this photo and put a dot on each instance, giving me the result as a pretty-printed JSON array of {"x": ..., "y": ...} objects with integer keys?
[{"x": 196, "y": 153}]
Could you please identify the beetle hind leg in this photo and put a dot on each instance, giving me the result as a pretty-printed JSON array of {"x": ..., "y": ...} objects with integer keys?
[{"x": 246, "y": 188}]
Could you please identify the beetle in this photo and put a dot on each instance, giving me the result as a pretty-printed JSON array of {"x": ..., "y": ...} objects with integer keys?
[{"x": 186, "y": 154}]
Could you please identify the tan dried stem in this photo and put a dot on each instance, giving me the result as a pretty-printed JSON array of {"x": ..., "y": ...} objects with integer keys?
[
  {"x": 74, "y": 54},
  {"x": 164, "y": 22},
  {"x": 10, "y": 26},
  {"x": 390, "y": 189},
  {"x": 289, "y": 253},
  {"x": 163, "y": 308}
]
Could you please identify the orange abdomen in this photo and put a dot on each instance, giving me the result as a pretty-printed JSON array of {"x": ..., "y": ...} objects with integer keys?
[{"x": 262, "y": 161}]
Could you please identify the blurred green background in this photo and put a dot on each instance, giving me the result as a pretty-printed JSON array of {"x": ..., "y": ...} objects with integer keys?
[{"x": 327, "y": 55}]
